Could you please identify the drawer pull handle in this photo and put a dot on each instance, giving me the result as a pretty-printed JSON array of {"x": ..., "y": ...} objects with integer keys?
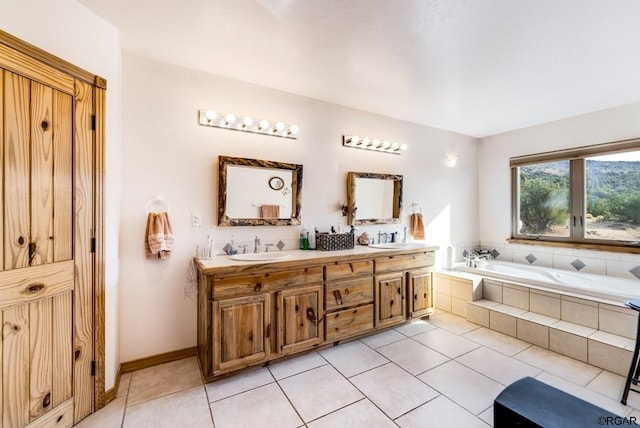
[{"x": 34, "y": 288}]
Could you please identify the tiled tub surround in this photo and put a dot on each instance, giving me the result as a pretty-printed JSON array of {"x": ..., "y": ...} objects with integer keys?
[{"x": 588, "y": 329}]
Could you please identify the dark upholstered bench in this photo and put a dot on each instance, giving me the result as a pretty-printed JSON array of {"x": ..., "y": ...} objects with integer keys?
[{"x": 531, "y": 403}]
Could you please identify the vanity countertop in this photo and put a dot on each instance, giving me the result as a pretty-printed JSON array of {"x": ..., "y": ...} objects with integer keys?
[{"x": 300, "y": 258}]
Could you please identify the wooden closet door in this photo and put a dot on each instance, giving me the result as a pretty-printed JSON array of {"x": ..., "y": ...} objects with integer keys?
[{"x": 38, "y": 271}]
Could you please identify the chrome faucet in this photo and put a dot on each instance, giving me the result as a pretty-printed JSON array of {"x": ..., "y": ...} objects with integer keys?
[
  {"x": 244, "y": 248},
  {"x": 404, "y": 236},
  {"x": 256, "y": 243},
  {"x": 266, "y": 247}
]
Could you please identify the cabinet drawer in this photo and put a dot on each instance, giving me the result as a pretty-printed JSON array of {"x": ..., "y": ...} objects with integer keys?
[
  {"x": 396, "y": 263},
  {"x": 349, "y": 322},
  {"x": 342, "y": 294},
  {"x": 348, "y": 270},
  {"x": 236, "y": 286}
]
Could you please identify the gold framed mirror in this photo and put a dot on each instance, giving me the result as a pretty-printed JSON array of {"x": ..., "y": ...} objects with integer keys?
[
  {"x": 373, "y": 198},
  {"x": 253, "y": 192}
]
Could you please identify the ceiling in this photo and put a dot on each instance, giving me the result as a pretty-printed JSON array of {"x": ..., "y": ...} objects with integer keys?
[{"x": 477, "y": 67}]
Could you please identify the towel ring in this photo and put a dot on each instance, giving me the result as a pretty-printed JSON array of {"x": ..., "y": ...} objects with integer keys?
[
  {"x": 159, "y": 202},
  {"x": 413, "y": 208}
]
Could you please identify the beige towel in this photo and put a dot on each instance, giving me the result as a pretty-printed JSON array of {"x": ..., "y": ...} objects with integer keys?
[
  {"x": 417, "y": 226},
  {"x": 271, "y": 211},
  {"x": 158, "y": 241}
]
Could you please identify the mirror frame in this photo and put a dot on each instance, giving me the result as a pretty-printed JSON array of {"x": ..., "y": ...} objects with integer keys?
[
  {"x": 351, "y": 196},
  {"x": 296, "y": 192}
]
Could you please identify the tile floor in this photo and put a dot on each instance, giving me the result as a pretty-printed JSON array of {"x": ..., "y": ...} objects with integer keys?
[{"x": 443, "y": 371}]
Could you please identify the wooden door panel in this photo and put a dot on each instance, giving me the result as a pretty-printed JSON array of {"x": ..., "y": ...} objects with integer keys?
[
  {"x": 16, "y": 169},
  {"x": 2, "y": 101},
  {"x": 40, "y": 365},
  {"x": 62, "y": 348},
  {"x": 62, "y": 177},
  {"x": 20, "y": 286},
  {"x": 15, "y": 367},
  {"x": 300, "y": 318},
  {"x": 389, "y": 299},
  {"x": 421, "y": 289},
  {"x": 41, "y": 174}
]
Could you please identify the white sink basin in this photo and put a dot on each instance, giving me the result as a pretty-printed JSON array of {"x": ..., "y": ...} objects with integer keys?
[
  {"x": 392, "y": 246},
  {"x": 259, "y": 257}
]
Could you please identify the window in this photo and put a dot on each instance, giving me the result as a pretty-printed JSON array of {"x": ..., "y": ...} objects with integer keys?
[{"x": 585, "y": 195}]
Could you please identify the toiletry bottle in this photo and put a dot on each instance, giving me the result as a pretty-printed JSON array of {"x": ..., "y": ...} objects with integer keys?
[
  {"x": 301, "y": 240},
  {"x": 212, "y": 252},
  {"x": 233, "y": 249},
  {"x": 312, "y": 237}
]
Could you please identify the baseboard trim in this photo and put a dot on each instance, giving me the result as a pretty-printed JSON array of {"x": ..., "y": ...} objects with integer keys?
[{"x": 154, "y": 360}]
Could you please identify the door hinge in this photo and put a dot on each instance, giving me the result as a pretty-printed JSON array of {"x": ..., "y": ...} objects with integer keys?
[
  {"x": 93, "y": 122},
  {"x": 93, "y": 368},
  {"x": 93, "y": 245}
]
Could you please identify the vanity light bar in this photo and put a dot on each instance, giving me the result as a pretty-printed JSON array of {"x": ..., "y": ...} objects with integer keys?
[
  {"x": 247, "y": 124},
  {"x": 373, "y": 144}
]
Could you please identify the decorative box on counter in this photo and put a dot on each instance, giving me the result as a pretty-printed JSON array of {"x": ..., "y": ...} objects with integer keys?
[{"x": 334, "y": 241}]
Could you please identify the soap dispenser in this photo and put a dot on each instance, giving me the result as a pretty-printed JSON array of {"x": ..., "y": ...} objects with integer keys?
[{"x": 312, "y": 237}]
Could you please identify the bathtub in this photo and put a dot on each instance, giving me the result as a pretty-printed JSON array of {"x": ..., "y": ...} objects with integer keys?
[{"x": 607, "y": 288}]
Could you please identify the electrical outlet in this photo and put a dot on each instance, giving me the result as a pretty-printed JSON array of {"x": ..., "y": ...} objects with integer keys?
[{"x": 196, "y": 221}]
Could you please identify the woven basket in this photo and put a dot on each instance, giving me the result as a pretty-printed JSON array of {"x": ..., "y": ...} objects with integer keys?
[{"x": 334, "y": 241}]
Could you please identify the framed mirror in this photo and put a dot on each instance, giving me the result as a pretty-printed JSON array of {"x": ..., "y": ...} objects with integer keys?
[
  {"x": 254, "y": 192},
  {"x": 373, "y": 198}
]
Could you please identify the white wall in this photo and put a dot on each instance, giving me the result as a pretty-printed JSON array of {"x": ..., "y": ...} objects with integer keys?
[
  {"x": 494, "y": 181},
  {"x": 166, "y": 152},
  {"x": 75, "y": 34}
]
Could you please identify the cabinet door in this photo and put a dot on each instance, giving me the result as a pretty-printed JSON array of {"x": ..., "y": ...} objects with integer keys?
[
  {"x": 389, "y": 299},
  {"x": 420, "y": 293},
  {"x": 300, "y": 318},
  {"x": 241, "y": 330}
]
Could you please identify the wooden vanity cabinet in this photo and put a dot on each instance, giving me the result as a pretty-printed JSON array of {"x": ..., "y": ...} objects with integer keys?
[{"x": 249, "y": 315}]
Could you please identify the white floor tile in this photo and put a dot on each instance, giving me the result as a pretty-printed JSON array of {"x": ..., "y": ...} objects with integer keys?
[
  {"x": 110, "y": 416},
  {"x": 559, "y": 365},
  {"x": 497, "y": 366},
  {"x": 318, "y": 392},
  {"x": 295, "y": 365},
  {"x": 466, "y": 387},
  {"x": 497, "y": 341},
  {"x": 353, "y": 357},
  {"x": 164, "y": 379},
  {"x": 437, "y": 413},
  {"x": 242, "y": 382},
  {"x": 362, "y": 414},
  {"x": 415, "y": 327},
  {"x": 381, "y": 339},
  {"x": 445, "y": 342},
  {"x": 611, "y": 385},
  {"x": 487, "y": 416},
  {"x": 412, "y": 356},
  {"x": 183, "y": 409},
  {"x": 393, "y": 390},
  {"x": 453, "y": 323},
  {"x": 266, "y": 406}
]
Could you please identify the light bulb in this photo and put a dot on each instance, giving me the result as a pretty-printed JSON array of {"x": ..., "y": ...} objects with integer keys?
[
  {"x": 355, "y": 139},
  {"x": 366, "y": 141},
  {"x": 279, "y": 127},
  {"x": 395, "y": 146},
  {"x": 385, "y": 144},
  {"x": 211, "y": 114},
  {"x": 293, "y": 130},
  {"x": 247, "y": 122},
  {"x": 376, "y": 143},
  {"x": 403, "y": 147},
  {"x": 264, "y": 124},
  {"x": 229, "y": 118}
]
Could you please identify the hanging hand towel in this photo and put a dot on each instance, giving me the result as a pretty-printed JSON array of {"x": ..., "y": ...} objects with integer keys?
[
  {"x": 158, "y": 236},
  {"x": 417, "y": 226},
  {"x": 270, "y": 211}
]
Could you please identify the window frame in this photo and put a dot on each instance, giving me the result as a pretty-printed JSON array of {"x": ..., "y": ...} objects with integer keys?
[{"x": 577, "y": 199}]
